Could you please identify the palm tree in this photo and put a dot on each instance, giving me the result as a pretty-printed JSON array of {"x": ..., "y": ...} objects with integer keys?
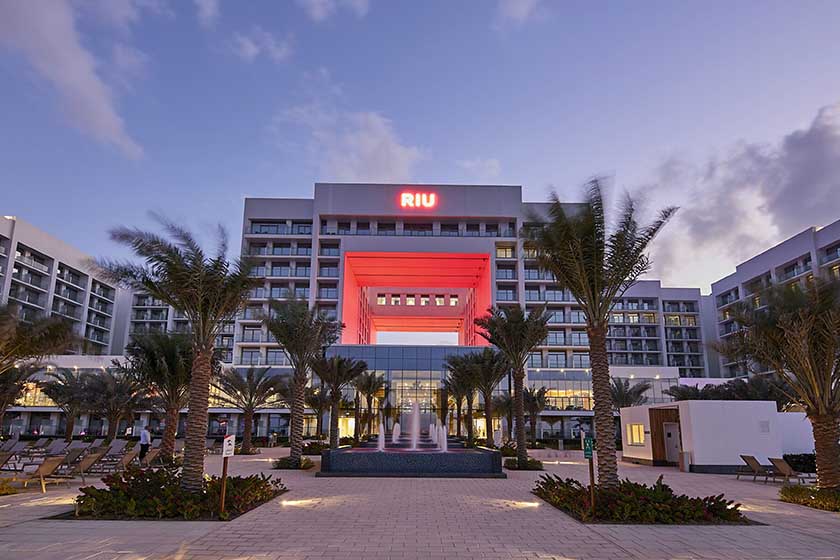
[
  {"x": 304, "y": 335},
  {"x": 68, "y": 390},
  {"x": 31, "y": 339},
  {"x": 457, "y": 392},
  {"x": 534, "y": 404},
  {"x": 623, "y": 395},
  {"x": 12, "y": 384},
  {"x": 337, "y": 373},
  {"x": 492, "y": 367},
  {"x": 516, "y": 334},
  {"x": 113, "y": 395},
  {"x": 208, "y": 290},
  {"x": 318, "y": 399},
  {"x": 796, "y": 334},
  {"x": 463, "y": 373},
  {"x": 687, "y": 392},
  {"x": 249, "y": 392},
  {"x": 596, "y": 266},
  {"x": 369, "y": 384},
  {"x": 503, "y": 405},
  {"x": 162, "y": 364}
]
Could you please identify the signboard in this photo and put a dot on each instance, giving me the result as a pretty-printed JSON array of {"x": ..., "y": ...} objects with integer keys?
[
  {"x": 418, "y": 200},
  {"x": 228, "y": 445},
  {"x": 587, "y": 447}
]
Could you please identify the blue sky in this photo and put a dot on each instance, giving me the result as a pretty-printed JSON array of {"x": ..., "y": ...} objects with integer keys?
[{"x": 728, "y": 109}]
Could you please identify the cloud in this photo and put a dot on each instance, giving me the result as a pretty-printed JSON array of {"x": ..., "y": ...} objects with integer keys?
[
  {"x": 260, "y": 42},
  {"x": 738, "y": 205},
  {"x": 484, "y": 169},
  {"x": 128, "y": 64},
  {"x": 516, "y": 12},
  {"x": 320, "y": 10},
  {"x": 45, "y": 34},
  {"x": 208, "y": 12},
  {"x": 122, "y": 14}
]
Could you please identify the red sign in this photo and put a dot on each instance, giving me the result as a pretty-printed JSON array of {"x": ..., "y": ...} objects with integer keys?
[{"x": 418, "y": 200}]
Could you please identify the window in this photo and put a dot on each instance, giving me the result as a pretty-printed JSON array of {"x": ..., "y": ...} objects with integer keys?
[
  {"x": 617, "y": 318},
  {"x": 453, "y": 300},
  {"x": 386, "y": 228},
  {"x": 555, "y": 338},
  {"x": 635, "y": 434},
  {"x": 556, "y": 359},
  {"x": 633, "y": 318},
  {"x": 580, "y": 360},
  {"x": 578, "y": 317},
  {"x": 380, "y": 299},
  {"x": 424, "y": 300},
  {"x": 409, "y": 300},
  {"x": 535, "y": 359},
  {"x": 395, "y": 300},
  {"x": 439, "y": 300},
  {"x": 276, "y": 358},
  {"x": 250, "y": 357},
  {"x": 504, "y": 252},
  {"x": 672, "y": 320}
]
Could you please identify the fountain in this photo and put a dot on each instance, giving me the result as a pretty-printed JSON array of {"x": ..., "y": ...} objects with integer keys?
[
  {"x": 497, "y": 438},
  {"x": 415, "y": 425},
  {"x": 443, "y": 444},
  {"x": 395, "y": 434},
  {"x": 433, "y": 433},
  {"x": 380, "y": 438}
]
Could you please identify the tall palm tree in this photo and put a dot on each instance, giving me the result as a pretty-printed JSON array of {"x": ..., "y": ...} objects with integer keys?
[
  {"x": 457, "y": 393},
  {"x": 623, "y": 395},
  {"x": 162, "y": 364},
  {"x": 463, "y": 375},
  {"x": 492, "y": 368},
  {"x": 534, "y": 404},
  {"x": 12, "y": 384},
  {"x": 114, "y": 396},
  {"x": 597, "y": 266},
  {"x": 68, "y": 390},
  {"x": 30, "y": 340},
  {"x": 796, "y": 334},
  {"x": 250, "y": 391},
  {"x": 337, "y": 373},
  {"x": 208, "y": 289},
  {"x": 516, "y": 334},
  {"x": 503, "y": 406},
  {"x": 369, "y": 384},
  {"x": 318, "y": 399},
  {"x": 304, "y": 335}
]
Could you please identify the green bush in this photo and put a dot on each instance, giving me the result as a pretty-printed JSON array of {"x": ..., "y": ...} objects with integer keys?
[
  {"x": 286, "y": 463},
  {"x": 802, "y": 462},
  {"x": 634, "y": 503},
  {"x": 818, "y": 498},
  {"x": 314, "y": 448},
  {"x": 508, "y": 450},
  {"x": 156, "y": 494},
  {"x": 347, "y": 440},
  {"x": 533, "y": 465}
]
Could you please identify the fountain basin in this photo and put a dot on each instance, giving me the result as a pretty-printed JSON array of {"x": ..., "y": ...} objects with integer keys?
[{"x": 366, "y": 462}]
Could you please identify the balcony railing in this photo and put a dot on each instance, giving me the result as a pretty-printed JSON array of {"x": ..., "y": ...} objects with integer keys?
[
  {"x": 830, "y": 256},
  {"x": 29, "y": 261},
  {"x": 796, "y": 271}
]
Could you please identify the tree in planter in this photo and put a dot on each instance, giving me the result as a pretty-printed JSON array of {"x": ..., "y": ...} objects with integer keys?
[
  {"x": 250, "y": 391},
  {"x": 534, "y": 404},
  {"x": 113, "y": 396},
  {"x": 503, "y": 406},
  {"x": 463, "y": 375},
  {"x": 623, "y": 395},
  {"x": 337, "y": 373},
  {"x": 68, "y": 390},
  {"x": 318, "y": 399},
  {"x": 596, "y": 266},
  {"x": 28, "y": 339},
  {"x": 208, "y": 290},
  {"x": 162, "y": 364},
  {"x": 796, "y": 334},
  {"x": 304, "y": 335},
  {"x": 369, "y": 384},
  {"x": 457, "y": 393},
  {"x": 516, "y": 333},
  {"x": 491, "y": 368}
]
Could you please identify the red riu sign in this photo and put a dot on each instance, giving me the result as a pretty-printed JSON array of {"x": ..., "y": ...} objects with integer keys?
[{"x": 418, "y": 200}]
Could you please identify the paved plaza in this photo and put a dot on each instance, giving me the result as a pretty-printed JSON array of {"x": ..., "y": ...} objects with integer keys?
[{"x": 350, "y": 518}]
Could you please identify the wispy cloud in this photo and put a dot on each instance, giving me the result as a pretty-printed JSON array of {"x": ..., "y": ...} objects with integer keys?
[
  {"x": 122, "y": 14},
  {"x": 483, "y": 169},
  {"x": 45, "y": 33},
  {"x": 208, "y": 12},
  {"x": 128, "y": 64},
  {"x": 259, "y": 42},
  {"x": 737, "y": 205},
  {"x": 320, "y": 10},
  {"x": 516, "y": 12}
]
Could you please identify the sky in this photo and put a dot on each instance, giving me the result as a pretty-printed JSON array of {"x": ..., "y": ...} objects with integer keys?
[{"x": 730, "y": 110}]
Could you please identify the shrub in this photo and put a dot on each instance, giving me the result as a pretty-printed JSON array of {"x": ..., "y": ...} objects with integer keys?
[
  {"x": 508, "y": 450},
  {"x": 818, "y": 498},
  {"x": 138, "y": 493},
  {"x": 632, "y": 502},
  {"x": 314, "y": 448},
  {"x": 285, "y": 463},
  {"x": 347, "y": 440},
  {"x": 533, "y": 465},
  {"x": 536, "y": 445},
  {"x": 6, "y": 488},
  {"x": 802, "y": 462}
]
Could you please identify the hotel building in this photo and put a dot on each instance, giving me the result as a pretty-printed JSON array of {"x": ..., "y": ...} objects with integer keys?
[{"x": 814, "y": 252}]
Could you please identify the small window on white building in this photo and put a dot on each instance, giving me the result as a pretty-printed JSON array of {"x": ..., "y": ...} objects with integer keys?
[
  {"x": 395, "y": 300},
  {"x": 380, "y": 299},
  {"x": 635, "y": 434},
  {"x": 424, "y": 300},
  {"x": 453, "y": 300},
  {"x": 409, "y": 300}
]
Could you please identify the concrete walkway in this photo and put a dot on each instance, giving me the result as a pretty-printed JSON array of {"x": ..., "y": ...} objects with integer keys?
[{"x": 351, "y": 518}]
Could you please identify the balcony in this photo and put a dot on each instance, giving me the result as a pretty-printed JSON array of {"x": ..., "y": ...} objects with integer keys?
[
  {"x": 70, "y": 278},
  {"x": 30, "y": 262},
  {"x": 2, "y": 251},
  {"x": 103, "y": 293},
  {"x": 832, "y": 255},
  {"x": 98, "y": 322},
  {"x": 67, "y": 311},
  {"x": 71, "y": 295},
  {"x": 793, "y": 273},
  {"x": 31, "y": 279},
  {"x": 27, "y": 297}
]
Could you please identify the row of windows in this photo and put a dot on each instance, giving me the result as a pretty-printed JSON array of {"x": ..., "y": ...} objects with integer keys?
[{"x": 414, "y": 299}]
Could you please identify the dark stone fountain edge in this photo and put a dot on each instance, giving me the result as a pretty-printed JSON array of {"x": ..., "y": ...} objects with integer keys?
[{"x": 343, "y": 462}]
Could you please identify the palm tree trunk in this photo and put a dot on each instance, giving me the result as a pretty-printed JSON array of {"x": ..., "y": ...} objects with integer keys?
[
  {"x": 296, "y": 420},
  {"x": 370, "y": 413},
  {"x": 602, "y": 407},
  {"x": 488, "y": 418},
  {"x": 167, "y": 444},
  {"x": 357, "y": 418},
  {"x": 248, "y": 418},
  {"x": 519, "y": 415},
  {"x": 334, "y": 423},
  {"x": 319, "y": 423},
  {"x": 458, "y": 416},
  {"x": 68, "y": 430},
  {"x": 469, "y": 420},
  {"x": 533, "y": 422},
  {"x": 113, "y": 424},
  {"x": 826, "y": 435},
  {"x": 192, "y": 472}
]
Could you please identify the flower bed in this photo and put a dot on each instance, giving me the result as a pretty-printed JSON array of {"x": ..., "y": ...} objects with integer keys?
[
  {"x": 286, "y": 463},
  {"x": 817, "y": 498},
  {"x": 314, "y": 448},
  {"x": 533, "y": 465},
  {"x": 634, "y": 503},
  {"x": 156, "y": 494}
]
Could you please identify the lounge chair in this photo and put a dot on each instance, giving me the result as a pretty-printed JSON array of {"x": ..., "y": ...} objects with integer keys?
[
  {"x": 782, "y": 469},
  {"x": 19, "y": 449},
  {"x": 125, "y": 460},
  {"x": 41, "y": 443},
  {"x": 45, "y": 473},
  {"x": 753, "y": 468},
  {"x": 150, "y": 457},
  {"x": 57, "y": 447},
  {"x": 117, "y": 447},
  {"x": 78, "y": 444},
  {"x": 97, "y": 443},
  {"x": 85, "y": 466},
  {"x": 156, "y": 443},
  {"x": 7, "y": 445},
  {"x": 6, "y": 462},
  {"x": 70, "y": 459}
]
